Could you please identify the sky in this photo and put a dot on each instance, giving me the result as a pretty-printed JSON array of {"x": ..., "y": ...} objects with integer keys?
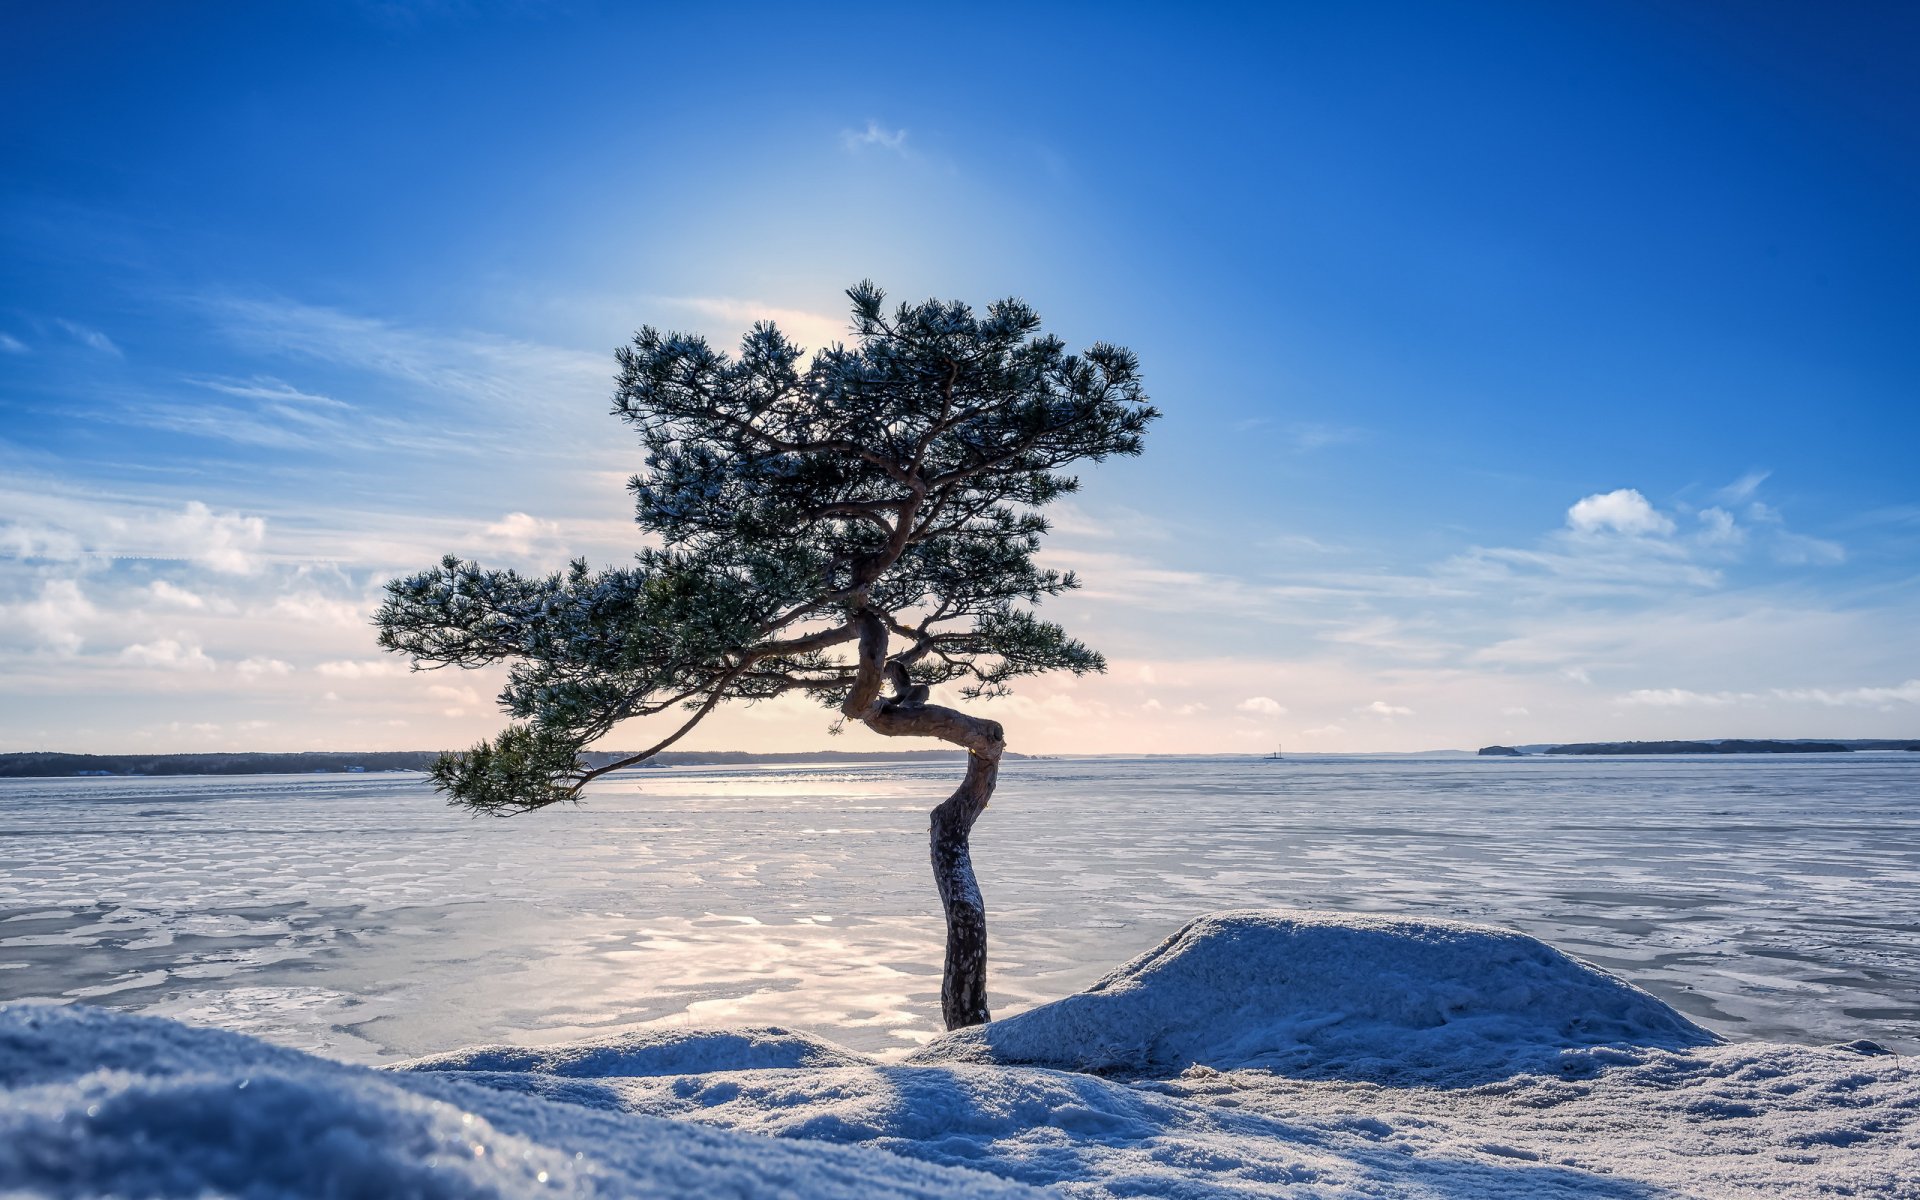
[{"x": 1531, "y": 373}]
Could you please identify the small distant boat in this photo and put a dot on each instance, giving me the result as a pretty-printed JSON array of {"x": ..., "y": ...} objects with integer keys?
[{"x": 1275, "y": 756}]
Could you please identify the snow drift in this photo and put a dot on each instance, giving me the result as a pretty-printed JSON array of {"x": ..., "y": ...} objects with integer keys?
[
  {"x": 1322, "y": 995},
  {"x": 99, "y": 1103},
  {"x": 651, "y": 1052}
]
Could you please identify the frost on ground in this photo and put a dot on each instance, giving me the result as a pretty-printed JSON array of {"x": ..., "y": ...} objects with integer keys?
[{"x": 1269, "y": 1053}]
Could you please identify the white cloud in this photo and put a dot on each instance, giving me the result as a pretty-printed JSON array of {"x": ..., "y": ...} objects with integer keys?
[
  {"x": 1380, "y": 708},
  {"x": 12, "y": 345},
  {"x": 1677, "y": 698},
  {"x": 1517, "y": 710},
  {"x": 169, "y": 654},
  {"x": 176, "y": 597},
  {"x": 1264, "y": 706},
  {"x": 519, "y": 532},
  {"x": 1623, "y": 510},
  {"x": 224, "y": 542},
  {"x": 461, "y": 698},
  {"x": 375, "y": 668},
  {"x": 53, "y": 618},
  {"x": 68, "y": 528},
  {"x": 875, "y": 135},
  {"x": 1717, "y": 528},
  {"x": 20, "y": 540},
  {"x": 258, "y": 668},
  {"x": 312, "y": 608}
]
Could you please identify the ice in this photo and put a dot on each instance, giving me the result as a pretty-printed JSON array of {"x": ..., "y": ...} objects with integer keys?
[{"x": 1765, "y": 899}]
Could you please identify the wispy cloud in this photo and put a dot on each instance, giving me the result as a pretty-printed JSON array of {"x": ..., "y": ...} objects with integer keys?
[
  {"x": 1743, "y": 488},
  {"x": 90, "y": 337},
  {"x": 1838, "y": 697},
  {"x": 282, "y": 396},
  {"x": 12, "y": 345},
  {"x": 492, "y": 368},
  {"x": 1300, "y": 437},
  {"x": 1799, "y": 548},
  {"x": 874, "y": 136}
]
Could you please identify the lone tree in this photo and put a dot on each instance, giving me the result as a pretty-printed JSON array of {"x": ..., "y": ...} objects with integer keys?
[{"x": 860, "y": 527}]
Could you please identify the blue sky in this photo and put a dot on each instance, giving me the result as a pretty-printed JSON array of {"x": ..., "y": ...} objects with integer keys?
[{"x": 1531, "y": 372}]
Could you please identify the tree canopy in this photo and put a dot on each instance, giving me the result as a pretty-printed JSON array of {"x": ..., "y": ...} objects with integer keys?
[{"x": 834, "y": 524}]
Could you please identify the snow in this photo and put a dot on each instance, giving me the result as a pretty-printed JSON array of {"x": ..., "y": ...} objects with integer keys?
[
  {"x": 1270, "y": 1053},
  {"x": 1328, "y": 995},
  {"x": 102, "y": 1103},
  {"x": 650, "y": 1052}
]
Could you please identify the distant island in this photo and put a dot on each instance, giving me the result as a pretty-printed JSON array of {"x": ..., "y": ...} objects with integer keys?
[
  {"x": 1720, "y": 746},
  {"x": 45, "y": 765}
]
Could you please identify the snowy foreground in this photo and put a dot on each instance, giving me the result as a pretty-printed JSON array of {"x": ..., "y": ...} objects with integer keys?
[{"x": 1256, "y": 1053}]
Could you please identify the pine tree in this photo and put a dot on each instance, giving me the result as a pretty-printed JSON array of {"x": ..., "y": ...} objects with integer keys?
[{"x": 859, "y": 526}]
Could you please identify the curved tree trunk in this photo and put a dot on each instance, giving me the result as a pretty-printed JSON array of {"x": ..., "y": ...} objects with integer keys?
[{"x": 963, "y": 985}]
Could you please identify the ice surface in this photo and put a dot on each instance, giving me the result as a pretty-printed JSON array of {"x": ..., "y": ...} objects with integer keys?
[
  {"x": 1330, "y": 996},
  {"x": 359, "y": 918},
  {"x": 93, "y": 1101}
]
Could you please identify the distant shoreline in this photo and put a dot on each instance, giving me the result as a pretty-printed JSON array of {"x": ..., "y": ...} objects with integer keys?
[
  {"x": 61, "y": 765},
  {"x": 56, "y": 765},
  {"x": 1717, "y": 746}
]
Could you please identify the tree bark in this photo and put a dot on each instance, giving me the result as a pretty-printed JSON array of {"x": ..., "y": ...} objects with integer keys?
[{"x": 963, "y": 984}]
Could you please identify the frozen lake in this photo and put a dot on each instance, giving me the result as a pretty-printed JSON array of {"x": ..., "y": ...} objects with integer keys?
[{"x": 1768, "y": 897}]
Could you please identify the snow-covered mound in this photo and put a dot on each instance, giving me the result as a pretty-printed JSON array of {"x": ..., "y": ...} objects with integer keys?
[
  {"x": 96, "y": 1103},
  {"x": 1325, "y": 995},
  {"x": 651, "y": 1052}
]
